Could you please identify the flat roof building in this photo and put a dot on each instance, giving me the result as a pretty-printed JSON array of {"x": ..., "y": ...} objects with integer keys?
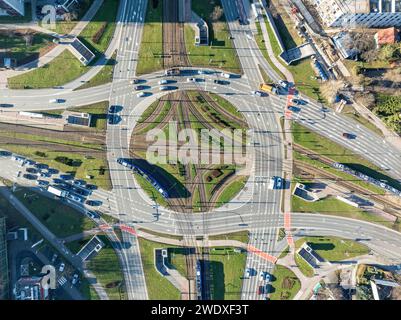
[
  {"x": 82, "y": 52},
  {"x": 12, "y": 8},
  {"x": 30, "y": 288},
  {"x": 359, "y": 13}
]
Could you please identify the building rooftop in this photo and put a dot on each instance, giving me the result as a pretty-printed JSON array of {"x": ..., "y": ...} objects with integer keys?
[{"x": 387, "y": 36}]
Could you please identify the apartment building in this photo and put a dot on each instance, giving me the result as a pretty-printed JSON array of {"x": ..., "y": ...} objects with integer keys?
[{"x": 359, "y": 13}]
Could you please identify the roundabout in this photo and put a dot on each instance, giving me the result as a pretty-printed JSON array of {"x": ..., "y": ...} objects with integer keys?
[{"x": 199, "y": 148}]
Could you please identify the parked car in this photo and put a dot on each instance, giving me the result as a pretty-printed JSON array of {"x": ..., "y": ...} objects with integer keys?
[
  {"x": 61, "y": 268},
  {"x": 141, "y": 94},
  {"x": 75, "y": 279}
]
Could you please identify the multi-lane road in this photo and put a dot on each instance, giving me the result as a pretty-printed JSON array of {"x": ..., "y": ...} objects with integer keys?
[{"x": 256, "y": 208}]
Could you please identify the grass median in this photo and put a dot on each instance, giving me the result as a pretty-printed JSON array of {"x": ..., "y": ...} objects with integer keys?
[
  {"x": 59, "y": 218},
  {"x": 151, "y": 50}
]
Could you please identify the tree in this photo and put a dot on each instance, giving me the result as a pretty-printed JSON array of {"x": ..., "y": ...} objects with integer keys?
[
  {"x": 363, "y": 43},
  {"x": 216, "y": 14}
]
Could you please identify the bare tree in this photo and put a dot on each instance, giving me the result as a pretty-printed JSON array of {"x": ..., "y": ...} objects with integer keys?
[
  {"x": 363, "y": 43},
  {"x": 330, "y": 90},
  {"x": 216, "y": 14}
]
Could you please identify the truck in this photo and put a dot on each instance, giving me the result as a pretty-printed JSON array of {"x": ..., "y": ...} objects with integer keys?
[
  {"x": 57, "y": 192},
  {"x": 268, "y": 88}
]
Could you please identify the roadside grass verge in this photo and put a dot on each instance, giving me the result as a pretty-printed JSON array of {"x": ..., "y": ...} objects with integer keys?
[
  {"x": 351, "y": 113},
  {"x": 159, "y": 288},
  {"x": 104, "y": 76},
  {"x": 284, "y": 285},
  {"x": 100, "y": 30},
  {"x": 262, "y": 47},
  {"x": 221, "y": 52},
  {"x": 63, "y": 69},
  {"x": 106, "y": 267},
  {"x": 325, "y": 147},
  {"x": 227, "y": 269},
  {"x": 151, "y": 50},
  {"x": 59, "y": 218},
  {"x": 334, "y": 248},
  {"x": 231, "y": 190},
  {"x": 241, "y": 236}
]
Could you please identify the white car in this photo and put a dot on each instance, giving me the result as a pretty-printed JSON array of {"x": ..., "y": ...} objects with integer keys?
[
  {"x": 56, "y": 100},
  {"x": 164, "y": 88},
  {"x": 61, "y": 268},
  {"x": 140, "y": 94},
  {"x": 247, "y": 272},
  {"x": 283, "y": 83},
  {"x": 163, "y": 81},
  {"x": 262, "y": 276},
  {"x": 226, "y": 75},
  {"x": 191, "y": 79},
  {"x": 75, "y": 279},
  {"x": 134, "y": 81}
]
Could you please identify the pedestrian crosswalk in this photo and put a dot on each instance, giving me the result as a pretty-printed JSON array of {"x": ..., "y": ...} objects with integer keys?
[{"x": 62, "y": 281}]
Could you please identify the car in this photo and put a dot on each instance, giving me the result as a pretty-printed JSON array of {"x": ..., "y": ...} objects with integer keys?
[
  {"x": 113, "y": 109},
  {"x": 262, "y": 276},
  {"x": 348, "y": 135},
  {"x": 79, "y": 183},
  {"x": 75, "y": 279},
  {"x": 66, "y": 177},
  {"x": 141, "y": 94},
  {"x": 41, "y": 166},
  {"x": 296, "y": 101},
  {"x": 203, "y": 71},
  {"x": 19, "y": 174},
  {"x": 267, "y": 277},
  {"x": 92, "y": 215},
  {"x": 279, "y": 183},
  {"x": 32, "y": 170},
  {"x": 137, "y": 88},
  {"x": 6, "y": 105},
  {"x": 294, "y": 108},
  {"x": 29, "y": 176},
  {"x": 226, "y": 75},
  {"x": 135, "y": 81},
  {"x": 112, "y": 119},
  {"x": 164, "y": 88},
  {"x": 54, "y": 257},
  {"x": 94, "y": 203},
  {"x": 191, "y": 79},
  {"x": 163, "y": 81},
  {"x": 52, "y": 171},
  {"x": 45, "y": 175},
  {"x": 247, "y": 272},
  {"x": 283, "y": 83},
  {"x": 61, "y": 268},
  {"x": 57, "y": 100},
  {"x": 223, "y": 82},
  {"x": 75, "y": 198},
  {"x": 91, "y": 187},
  {"x": 42, "y": 183},
  {"x": 258, "y": 93}
]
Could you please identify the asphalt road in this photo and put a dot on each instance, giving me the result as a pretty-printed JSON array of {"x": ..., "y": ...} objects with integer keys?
[{"x": 256, "y": 208}]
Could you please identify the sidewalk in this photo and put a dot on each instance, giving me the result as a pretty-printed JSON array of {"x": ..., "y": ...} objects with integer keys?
[
  {"x": 52, "y": 54},
  {"x": 49, "y": 236}
]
